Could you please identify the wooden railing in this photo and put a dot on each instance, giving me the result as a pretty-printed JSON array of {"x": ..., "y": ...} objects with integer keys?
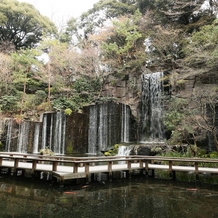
[{"x": 144, "y": 162}]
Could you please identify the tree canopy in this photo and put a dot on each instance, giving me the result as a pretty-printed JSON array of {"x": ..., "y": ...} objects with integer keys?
[{"x": 21, "y": 25}]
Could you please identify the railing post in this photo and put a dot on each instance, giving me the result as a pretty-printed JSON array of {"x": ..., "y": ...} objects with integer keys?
[
  {"x": 140, "y": 163},
  {"x": 54, "y": 165},
  {"x": 146, "y": 167},
  {"x": 75, "y": 168},
  {"x": 110, "y": 173},
  {"x": 172, "y": 174},
  {"x": 196, "y": 171}
]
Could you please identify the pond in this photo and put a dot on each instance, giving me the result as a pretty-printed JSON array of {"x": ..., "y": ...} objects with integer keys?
[{"x": 123, "y": 198}]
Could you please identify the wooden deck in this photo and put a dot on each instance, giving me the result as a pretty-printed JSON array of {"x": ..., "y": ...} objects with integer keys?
[{"x": 66, "y": 168}]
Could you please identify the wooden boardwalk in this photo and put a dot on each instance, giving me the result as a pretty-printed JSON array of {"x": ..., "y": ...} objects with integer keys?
[{"x": 66, "y": 168}]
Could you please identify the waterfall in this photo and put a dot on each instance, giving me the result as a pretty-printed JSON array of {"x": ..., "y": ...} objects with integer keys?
[
  {"x": 9, "y": 135},
  {"x": 151, "y": 127},
  {"x": 58, "y": 139},
  {"x": 125, "y": 124},
  {"x": 93, "y": 130},
  {"x": 104, "y": 126},
  {"x": 36, "y": 138},
  {"x": 124, "y": 150},
  {"x": 23, "y": 139},
  {"x": 98, "y": 128},
  {"x": 44, "y": 131},
  {"x": 53, "y": 132}
]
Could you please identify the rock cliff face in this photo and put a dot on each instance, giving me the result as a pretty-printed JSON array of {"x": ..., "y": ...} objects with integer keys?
[{"x": 127, "y": 90}]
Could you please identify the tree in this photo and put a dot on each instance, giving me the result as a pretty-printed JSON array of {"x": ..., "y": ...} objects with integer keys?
[
  {"x": 5, "y": 75},
  {"x": 22, "y": 25},
  {"x": 24, "y": 67},
  {"x": 58, "y": 66},
  {"x": 102, "y": 12},
  {"x": 191, "y": 120},
  {"x": 203, "y": 111},
  {"x": 122, "y": 45}
]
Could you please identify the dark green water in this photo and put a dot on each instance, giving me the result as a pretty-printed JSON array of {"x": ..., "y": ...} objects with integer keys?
[{"x": 138, "y": 197}]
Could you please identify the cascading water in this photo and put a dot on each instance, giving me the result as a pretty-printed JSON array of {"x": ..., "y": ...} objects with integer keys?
[
  {"x": 30, "y": 137},
  {"x": 53, "y": 132},
  {"x": 93, "y": 130},
  {"x": 125, "y": 124},
  {"x": 58, "y": 140},
  {"x": 23, "y": 139},
  {"x": 124, "y": 150},
  {"x": 104, "y": 126},
  {"x": 151, "y": 126},
  {"x": 36, "y": 138},
  {"x": 9, "y": 135},
  {"x": 44, "y": 131}
]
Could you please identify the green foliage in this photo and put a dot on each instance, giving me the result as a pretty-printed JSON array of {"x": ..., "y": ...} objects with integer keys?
[
  {"x": 87, "y": 85},
  {"x": 113, "y": 151},
  {"x": 64, "y": 103},
  {"x": 213, "y": 154},
  {"x": 45, "y": 106},
  {"x": 40, "y": 96},
  {"x": 173, "y": 120},
  {"x": 68, "y": 111},
  {"x": 8, "y": 103},
  {"x": 124, "y": 49},
  {"x": 23, "y": 62},
  {"x": 85, "y": 91},
  {"x": 201, "y": 51},
  {"x": 22, "y": 25}
]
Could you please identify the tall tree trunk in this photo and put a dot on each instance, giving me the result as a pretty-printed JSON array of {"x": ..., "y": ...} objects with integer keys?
[{"x": 49, "y": 83}]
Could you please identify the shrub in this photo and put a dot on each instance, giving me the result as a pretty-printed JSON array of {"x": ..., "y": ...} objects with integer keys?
[
  {"x": 8, "y": 103},
  {"x": 40, "y": 96}
]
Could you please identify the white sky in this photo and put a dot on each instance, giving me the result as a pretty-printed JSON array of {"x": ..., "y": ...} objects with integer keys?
[{"x": 59, "y": 11}]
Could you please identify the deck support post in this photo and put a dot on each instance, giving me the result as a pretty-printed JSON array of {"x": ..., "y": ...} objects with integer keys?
[
  {"x": 152, "y": 173},
  {"x": 196, "y": 171},
  {"x": 34, "y": 163},
  {"x": 16, "y": 161},
  {"x": 87, "y": 172},
  {"x": 129, "y": 169},
  {"x": 146, "y": 168},
  {"x": 172, "y": 174}
]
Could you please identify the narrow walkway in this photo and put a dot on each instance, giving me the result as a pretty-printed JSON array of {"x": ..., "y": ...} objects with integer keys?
[{"x": 65, "y": 167}]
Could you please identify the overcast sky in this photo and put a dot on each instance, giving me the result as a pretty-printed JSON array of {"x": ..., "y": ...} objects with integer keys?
[{"x": 59, "y": 11}]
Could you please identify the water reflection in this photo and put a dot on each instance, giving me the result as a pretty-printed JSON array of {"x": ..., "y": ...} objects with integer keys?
[{"x": 139, "y": 197}]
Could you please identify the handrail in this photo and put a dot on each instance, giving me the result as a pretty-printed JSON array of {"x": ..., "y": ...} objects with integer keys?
[
  {"x": 104, "y": 158},
  {"x": 143, "y": 162}
]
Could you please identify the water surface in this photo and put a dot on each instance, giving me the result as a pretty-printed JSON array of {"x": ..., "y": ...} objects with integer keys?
[{"x": 138, "y": 197}]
